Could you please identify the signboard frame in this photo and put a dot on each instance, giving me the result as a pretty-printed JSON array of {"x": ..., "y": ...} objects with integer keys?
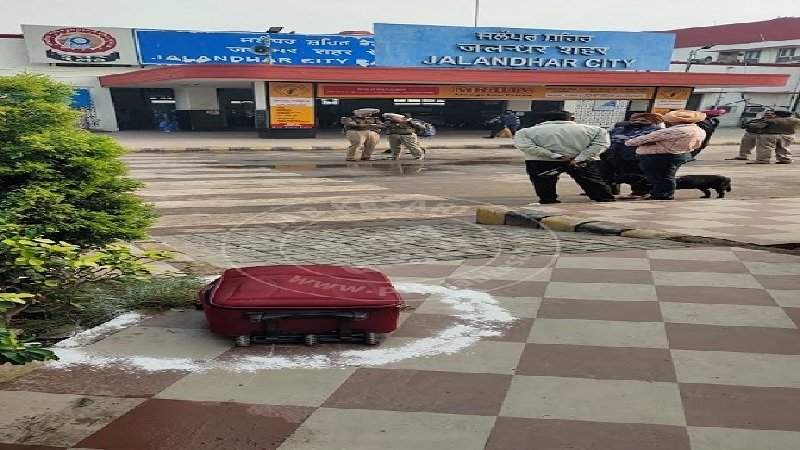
[
  {"x": 478, "y": 92},
  {"x": 291, "y": 105}
]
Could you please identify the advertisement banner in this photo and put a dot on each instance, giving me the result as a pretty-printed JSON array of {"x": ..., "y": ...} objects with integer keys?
[
  {"x": 165, "y": 47},
  {"x": 79, "y": 45},
  {"x": 670, "y": 98},
  {"x": 431, "y": 46},
  {"x": 291, "y": 105},
  {"x": 598, "y": 93},
  {"x": 326, "y": 90}
]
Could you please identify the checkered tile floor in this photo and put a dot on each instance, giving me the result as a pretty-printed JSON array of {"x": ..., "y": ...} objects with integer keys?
[
  {"x": 640, "y": 349},
  {"x": 763, "y": 221}
]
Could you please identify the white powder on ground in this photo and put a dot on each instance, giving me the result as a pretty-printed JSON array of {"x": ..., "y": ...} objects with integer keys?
[
  {"x": 86, "y": 337},
  {"x": 482, "y": 313},
  {"x": 471, "y": 305},
  {"x": 449, "y": 341}
]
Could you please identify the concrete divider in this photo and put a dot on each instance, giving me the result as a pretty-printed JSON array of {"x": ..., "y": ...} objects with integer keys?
[{"x": 498, "y": 215}]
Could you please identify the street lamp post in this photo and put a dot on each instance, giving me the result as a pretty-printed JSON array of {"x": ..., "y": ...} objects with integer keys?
[
  {"x": 477, "y": 8},
  {"x": 693, "y": 54}
]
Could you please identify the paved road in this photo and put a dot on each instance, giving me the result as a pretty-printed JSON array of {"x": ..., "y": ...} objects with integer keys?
[{"x": 233, "y": 209}]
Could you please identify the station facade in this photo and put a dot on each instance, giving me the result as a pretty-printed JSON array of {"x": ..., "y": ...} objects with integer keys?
[{"x": 289, "y": 85}]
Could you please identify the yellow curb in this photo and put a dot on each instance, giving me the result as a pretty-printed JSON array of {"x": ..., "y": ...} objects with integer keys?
[
  {"x": 173, "y": 150},
  {"x": 491, "y": 215},
  {"x": 10, "y": 372},
  {"x": 645, "y": 233},
  {"x": 562, "y": 223}
]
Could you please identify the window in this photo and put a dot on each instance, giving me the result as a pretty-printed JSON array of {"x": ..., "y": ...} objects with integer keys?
[
  {"x": 729, "y": 56},
  {"x": 752, "y": 56},
  {"x": 787, "y": 55},
  {"x": 419, "y": 101}
]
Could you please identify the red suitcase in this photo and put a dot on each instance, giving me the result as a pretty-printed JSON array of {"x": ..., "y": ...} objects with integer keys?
[{"x": 309, "y": 304}]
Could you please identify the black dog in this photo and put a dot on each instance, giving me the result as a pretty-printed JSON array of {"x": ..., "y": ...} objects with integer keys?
[{"x": 705, "y": 183}]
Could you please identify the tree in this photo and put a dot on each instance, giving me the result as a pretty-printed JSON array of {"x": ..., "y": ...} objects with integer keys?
[{"x": 63, "y": 183}]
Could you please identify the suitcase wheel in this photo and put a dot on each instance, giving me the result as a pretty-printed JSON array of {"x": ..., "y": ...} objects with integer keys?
[
  {"x": 371, "y": 339},
  {"x": 242, "y": 341},
  {"x": 310, "y": 340}
]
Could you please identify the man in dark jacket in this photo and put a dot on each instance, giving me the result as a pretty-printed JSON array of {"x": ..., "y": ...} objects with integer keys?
[
  {"x": 709, "y": 125},
  {"x": 776, "y": 137},
  {"x": 506, "y": 120},
  {"x": 752, "y": 129},
  {"x": 623, "y": 159}
]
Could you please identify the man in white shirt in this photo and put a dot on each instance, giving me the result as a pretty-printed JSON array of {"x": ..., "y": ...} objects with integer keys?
[{"x": 559, "y": 144}]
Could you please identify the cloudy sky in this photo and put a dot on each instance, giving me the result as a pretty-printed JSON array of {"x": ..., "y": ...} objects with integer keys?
[{"x": 330, "y": 16}]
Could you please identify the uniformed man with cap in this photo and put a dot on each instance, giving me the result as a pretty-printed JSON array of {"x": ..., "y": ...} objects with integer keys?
[{"x": 363, "y": 131}]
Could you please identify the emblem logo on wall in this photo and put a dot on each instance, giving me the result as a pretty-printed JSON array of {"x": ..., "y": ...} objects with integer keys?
[
  {"x": 80, "y": 45},
  {"x": 294, "y": 90}
]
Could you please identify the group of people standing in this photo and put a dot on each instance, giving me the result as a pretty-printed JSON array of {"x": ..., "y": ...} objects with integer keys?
[
  {"x": 644, "y": 152},
  {"x": 363, "y": 130}
]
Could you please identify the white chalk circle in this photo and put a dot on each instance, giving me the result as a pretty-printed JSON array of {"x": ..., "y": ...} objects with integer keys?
[{"x": 480, "y": 315}]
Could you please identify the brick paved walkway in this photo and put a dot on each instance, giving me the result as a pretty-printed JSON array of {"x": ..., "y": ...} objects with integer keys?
[
  {"x": 393, "y": 243},
  {"x": 665, "y": 349},
  {"x": 764, "y": 222}
]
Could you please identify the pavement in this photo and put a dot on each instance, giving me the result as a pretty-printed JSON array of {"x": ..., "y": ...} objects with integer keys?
[
  {"x": 160, "y": 142},
  {"x": 683, "y": 348},
  {"x": 513, "y": 338},
  {"x": 769, "y": 222}
]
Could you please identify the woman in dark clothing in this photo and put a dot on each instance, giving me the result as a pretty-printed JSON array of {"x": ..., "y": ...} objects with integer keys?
[
  {"x": 623, "y": 159},
  {"x": 709, "y": 125}
]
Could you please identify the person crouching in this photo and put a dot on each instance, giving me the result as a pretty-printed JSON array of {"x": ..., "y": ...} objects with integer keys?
[{"x": 402, "y": 131}]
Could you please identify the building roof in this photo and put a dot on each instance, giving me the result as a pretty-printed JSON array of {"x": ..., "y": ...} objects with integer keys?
[
  {"x": 208, "y": 73},
  {"x": 780, "y": 29}
]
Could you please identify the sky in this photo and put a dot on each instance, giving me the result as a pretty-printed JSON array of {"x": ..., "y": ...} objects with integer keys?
[{"x": 332, "y": 16}]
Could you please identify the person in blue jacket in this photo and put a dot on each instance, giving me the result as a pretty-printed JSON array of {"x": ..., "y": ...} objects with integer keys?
[
  {"x": 623, "y": 159},
  {"x": 506, "y": 120}
]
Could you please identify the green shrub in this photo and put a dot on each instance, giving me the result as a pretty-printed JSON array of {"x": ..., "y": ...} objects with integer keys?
[
  {"x": 62, "y": 182},
  {"x": 53, "y": 272},
  {"x": 11, "y": 350},
  {"x": 159, "y": 292}
]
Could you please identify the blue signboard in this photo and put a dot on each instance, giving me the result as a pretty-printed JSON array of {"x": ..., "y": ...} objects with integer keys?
[
  {"x": 322, "y": 50},
  {"x": 198, "y": 47},
  {"x": 211, "y": 47},
  {"x": 81, "y": 98},
  {"x": 513, "y": 48}
]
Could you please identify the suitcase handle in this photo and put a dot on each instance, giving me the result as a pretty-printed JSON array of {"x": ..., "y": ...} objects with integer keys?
[{"x": 263, "y": 316}]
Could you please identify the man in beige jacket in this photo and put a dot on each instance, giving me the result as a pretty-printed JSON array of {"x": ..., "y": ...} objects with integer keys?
[{"x": 560, "y": 145}]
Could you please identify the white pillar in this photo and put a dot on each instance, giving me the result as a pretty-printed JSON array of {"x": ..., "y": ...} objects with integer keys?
[
  {"x": 197, "y": 109},
  {"x": 104, "y": 109},
  {"x": 260, "y": 93},
  {"x": 196, "y": 98}
]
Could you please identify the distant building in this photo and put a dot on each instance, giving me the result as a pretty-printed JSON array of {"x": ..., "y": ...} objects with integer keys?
[{"x": 769, "y": 46}]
